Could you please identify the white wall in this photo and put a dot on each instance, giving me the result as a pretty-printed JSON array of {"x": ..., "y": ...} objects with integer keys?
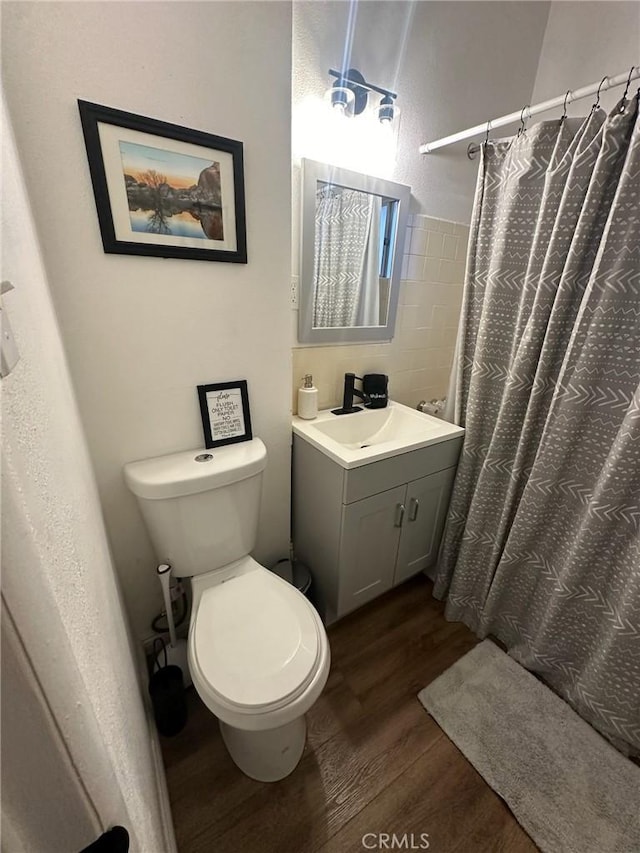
[
  {"x": 141, "y": 333},
  {"x": 59, "y": 587},
  {"x": 36, "y": 766},
  {"x": 584, "y": 42},
  {"x": 453, "y": 64}
]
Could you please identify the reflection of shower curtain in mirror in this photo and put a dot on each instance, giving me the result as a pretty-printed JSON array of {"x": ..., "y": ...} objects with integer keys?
[{"x": 346, "y": 269}]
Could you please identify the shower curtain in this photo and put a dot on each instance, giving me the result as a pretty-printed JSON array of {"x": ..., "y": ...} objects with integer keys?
[
  {"x": 346, "y": 268},
  {"x": 542, "y": 542}
]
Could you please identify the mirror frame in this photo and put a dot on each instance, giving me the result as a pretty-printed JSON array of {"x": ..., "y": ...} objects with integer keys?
[{"x": 312, "y": 172}]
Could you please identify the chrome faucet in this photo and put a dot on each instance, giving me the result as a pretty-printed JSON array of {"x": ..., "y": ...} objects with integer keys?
[{"x": 350, "y": 391}]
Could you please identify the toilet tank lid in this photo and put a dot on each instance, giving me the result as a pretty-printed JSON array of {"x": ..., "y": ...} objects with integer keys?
[{"x": 181, "y": 474}]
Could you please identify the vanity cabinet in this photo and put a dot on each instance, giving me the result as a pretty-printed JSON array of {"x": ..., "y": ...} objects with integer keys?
[
  {"x": 370, "y": 534},
  {"x": 426, "y": 505},
  {"x": 364, "y": 530}
]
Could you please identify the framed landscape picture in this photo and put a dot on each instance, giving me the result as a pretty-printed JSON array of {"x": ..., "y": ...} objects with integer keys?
[
  {"x": 224, "y": 408},
  {"x": 165, "y": 190}
]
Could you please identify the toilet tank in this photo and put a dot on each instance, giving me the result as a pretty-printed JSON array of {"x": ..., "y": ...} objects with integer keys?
[{"x": 201, "y": 506}]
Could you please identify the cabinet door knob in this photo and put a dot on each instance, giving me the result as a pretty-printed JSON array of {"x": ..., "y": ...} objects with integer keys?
[
  {"x": 413, "y": 509},
  {"x": 399, "y": 515}
]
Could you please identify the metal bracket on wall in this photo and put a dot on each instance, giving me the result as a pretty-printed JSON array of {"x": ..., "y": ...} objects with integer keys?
[{"x": 9, "y": 351}]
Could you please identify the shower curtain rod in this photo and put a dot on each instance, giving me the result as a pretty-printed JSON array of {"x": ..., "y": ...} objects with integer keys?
[{"x": 528, "y": 111}]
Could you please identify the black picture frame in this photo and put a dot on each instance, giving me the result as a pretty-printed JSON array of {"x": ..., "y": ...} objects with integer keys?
[
  {"x": 205, "y": 218},
  {"x": 220, "y": 404}
]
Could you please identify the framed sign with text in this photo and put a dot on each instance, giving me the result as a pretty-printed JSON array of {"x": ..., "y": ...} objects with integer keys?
[{"x": 224, "y": 407}]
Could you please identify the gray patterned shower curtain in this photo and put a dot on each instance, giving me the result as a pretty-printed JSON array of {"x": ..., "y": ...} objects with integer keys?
[
  {"x": 542, "y": 543},
  {"x": 346, "y": 270}
]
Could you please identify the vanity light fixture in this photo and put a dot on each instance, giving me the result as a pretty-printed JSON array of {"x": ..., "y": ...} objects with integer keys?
[{"x": 350, "y": 95}]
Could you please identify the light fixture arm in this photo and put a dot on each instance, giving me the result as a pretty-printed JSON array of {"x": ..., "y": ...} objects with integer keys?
[{"x": 356, "y": 79}]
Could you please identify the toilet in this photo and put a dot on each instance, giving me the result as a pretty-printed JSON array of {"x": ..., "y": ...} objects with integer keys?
[{"x": 258, "y": 652}]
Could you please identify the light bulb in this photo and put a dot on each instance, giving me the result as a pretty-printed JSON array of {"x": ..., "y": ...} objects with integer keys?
[
  {"x": 341, "y": 99},
  {"x": 386, "y": 110}
]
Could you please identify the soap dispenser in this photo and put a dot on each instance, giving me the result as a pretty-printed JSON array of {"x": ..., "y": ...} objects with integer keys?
[{"x": 308, "y": 399}]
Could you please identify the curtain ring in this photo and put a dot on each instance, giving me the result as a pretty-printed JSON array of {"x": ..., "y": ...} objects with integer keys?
[
  {"x": 624, "y": 97},
  {"x": 522, "y": 127},
  {"x": 597, "y": 103},
  {"x": 472, "y": 149},
  {"x": 626, "y": 89},
  {"x": 564, "y": 107}
]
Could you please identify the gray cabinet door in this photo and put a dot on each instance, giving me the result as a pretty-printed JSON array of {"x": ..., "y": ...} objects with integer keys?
[
  {"x": 426, "y": 505},
  {"x": 369, "y": 547}
]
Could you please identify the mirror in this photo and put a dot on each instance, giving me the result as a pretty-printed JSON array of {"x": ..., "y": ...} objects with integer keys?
[{"x": 353, "y": 228}]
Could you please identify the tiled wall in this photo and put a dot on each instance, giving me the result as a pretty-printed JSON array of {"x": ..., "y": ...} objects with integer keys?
[{"x": 418, "y": 359}]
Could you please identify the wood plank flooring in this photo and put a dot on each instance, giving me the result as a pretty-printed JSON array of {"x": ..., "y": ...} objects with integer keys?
[{"x": 375, "y": 761}]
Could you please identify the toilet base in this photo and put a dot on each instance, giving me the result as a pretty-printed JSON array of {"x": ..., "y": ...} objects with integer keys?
[{"x": 267, "y": 755}]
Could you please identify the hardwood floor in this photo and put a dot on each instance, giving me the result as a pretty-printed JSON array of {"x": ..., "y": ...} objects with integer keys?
[{"x": 375, "y": 761}]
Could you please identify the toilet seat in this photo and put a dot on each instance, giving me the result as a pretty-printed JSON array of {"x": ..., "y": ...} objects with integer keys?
[{"x": 256, "y": 642}]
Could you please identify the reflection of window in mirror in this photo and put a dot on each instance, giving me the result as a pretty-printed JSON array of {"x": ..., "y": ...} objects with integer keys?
[{"x": 388, "y": 225}]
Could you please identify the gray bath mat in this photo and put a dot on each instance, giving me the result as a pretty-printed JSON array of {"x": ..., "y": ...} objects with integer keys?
[{"x": 568, "y": 788}]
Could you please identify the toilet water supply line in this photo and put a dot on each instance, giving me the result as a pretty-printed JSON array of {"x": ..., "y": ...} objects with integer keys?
[
  {"x": 176, "y": 651},
  {"x": 164, "y": 573}
]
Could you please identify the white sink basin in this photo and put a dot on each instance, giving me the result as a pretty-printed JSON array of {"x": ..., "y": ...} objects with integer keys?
[{"x": 373, "y": 434}]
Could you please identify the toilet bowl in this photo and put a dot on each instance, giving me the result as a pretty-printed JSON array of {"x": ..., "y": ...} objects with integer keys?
[
  {"x": 258, "y": 653},
  {"x": 259, "y": 658}
]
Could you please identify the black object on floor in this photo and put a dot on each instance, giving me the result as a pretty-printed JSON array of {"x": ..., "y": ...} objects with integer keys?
[
  {"x": 166, "y": 689},
  {"x": 114, "y": 840}
]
